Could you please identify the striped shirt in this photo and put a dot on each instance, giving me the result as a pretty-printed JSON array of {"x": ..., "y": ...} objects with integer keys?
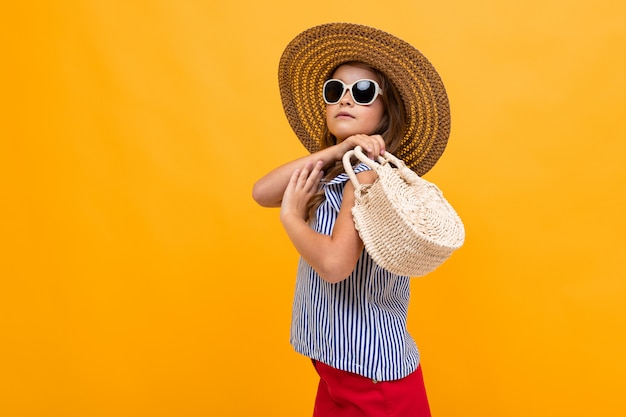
[{"x": 359, "y": 324}]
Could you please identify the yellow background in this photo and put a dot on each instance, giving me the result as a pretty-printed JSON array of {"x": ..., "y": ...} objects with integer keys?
[{"x": 138, "y": 278}]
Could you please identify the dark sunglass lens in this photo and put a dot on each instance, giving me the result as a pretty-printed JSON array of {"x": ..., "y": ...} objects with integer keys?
[
  {"x": 333, "y": 91},
  {"x": 364, "y": 91}
]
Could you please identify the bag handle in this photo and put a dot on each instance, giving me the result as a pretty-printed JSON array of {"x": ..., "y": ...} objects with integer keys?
[
  {"x": 382, "y": 160},
  {"x": 347, "y": 165}
]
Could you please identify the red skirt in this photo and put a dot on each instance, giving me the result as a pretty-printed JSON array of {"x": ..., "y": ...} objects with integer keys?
[{"x": 344, "y": 394}]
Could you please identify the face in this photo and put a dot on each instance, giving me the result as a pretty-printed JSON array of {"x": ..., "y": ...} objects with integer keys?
[{"x": 347, "y": 118}]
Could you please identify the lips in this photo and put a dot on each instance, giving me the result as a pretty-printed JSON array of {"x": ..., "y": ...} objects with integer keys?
[{"x": 344, "y": 114}]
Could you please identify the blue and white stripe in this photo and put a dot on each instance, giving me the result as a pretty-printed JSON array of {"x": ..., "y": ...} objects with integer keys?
[{"x": 359, "y": 324}]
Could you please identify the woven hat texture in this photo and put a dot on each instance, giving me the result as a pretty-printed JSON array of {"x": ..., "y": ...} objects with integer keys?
[
  {"x": 404, "y": 221},
  {"x": 312, "y": 56}
]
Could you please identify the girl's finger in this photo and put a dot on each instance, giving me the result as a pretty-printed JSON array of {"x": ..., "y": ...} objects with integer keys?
[
  {"x": 303, "y": 175},
  {"x": 313, "y": 178},
  {"x": 293, "y": 180},
  {"x": 381, "y": 143}
]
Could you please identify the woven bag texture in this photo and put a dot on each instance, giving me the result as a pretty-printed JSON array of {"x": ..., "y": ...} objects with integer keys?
[{"x": 406, "y": 224}]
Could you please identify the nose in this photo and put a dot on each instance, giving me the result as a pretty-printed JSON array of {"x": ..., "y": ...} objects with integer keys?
[{"x": 346, "y": 100}]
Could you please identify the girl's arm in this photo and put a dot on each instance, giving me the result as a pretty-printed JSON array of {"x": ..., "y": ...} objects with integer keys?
[
  {"x": 333, "y": 257},
  {"x": 269, "y": 190}
]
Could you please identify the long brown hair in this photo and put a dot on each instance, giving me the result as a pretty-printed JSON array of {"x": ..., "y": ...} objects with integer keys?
[{"x": 391, "y": 128}]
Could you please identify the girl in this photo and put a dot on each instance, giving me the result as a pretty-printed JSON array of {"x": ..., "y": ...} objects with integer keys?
[{"x": 349, "y": 314}]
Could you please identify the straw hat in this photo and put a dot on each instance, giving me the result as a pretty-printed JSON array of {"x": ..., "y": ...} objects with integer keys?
[{"x": 312, "y": 56}]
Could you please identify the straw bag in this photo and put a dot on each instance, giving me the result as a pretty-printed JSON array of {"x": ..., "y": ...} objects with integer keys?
[{"x": 406, "y": 224}]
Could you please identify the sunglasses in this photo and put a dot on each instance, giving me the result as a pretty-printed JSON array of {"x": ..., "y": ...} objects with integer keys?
[{"x": 363, "y": 92}]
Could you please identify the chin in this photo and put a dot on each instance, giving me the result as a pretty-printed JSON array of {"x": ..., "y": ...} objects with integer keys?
[{"x": 341, "y": 136}]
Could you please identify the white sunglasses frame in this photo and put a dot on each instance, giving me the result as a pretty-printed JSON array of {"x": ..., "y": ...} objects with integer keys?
[{"x": 379, "y": 91}]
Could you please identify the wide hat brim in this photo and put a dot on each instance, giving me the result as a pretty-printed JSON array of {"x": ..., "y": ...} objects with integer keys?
[{"x": 312, "y": 56}]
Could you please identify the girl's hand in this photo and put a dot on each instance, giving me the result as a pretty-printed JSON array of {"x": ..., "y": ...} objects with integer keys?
[
  {"x": 373, "y": 145},
  {"x": 302, "y": 185}
]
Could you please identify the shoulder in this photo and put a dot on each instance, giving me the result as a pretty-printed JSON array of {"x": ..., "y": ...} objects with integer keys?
[
  {"x": 364, "y": 177},
  {"x": 367, "y": 177},
  {"x": 365, "y": 174}
]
